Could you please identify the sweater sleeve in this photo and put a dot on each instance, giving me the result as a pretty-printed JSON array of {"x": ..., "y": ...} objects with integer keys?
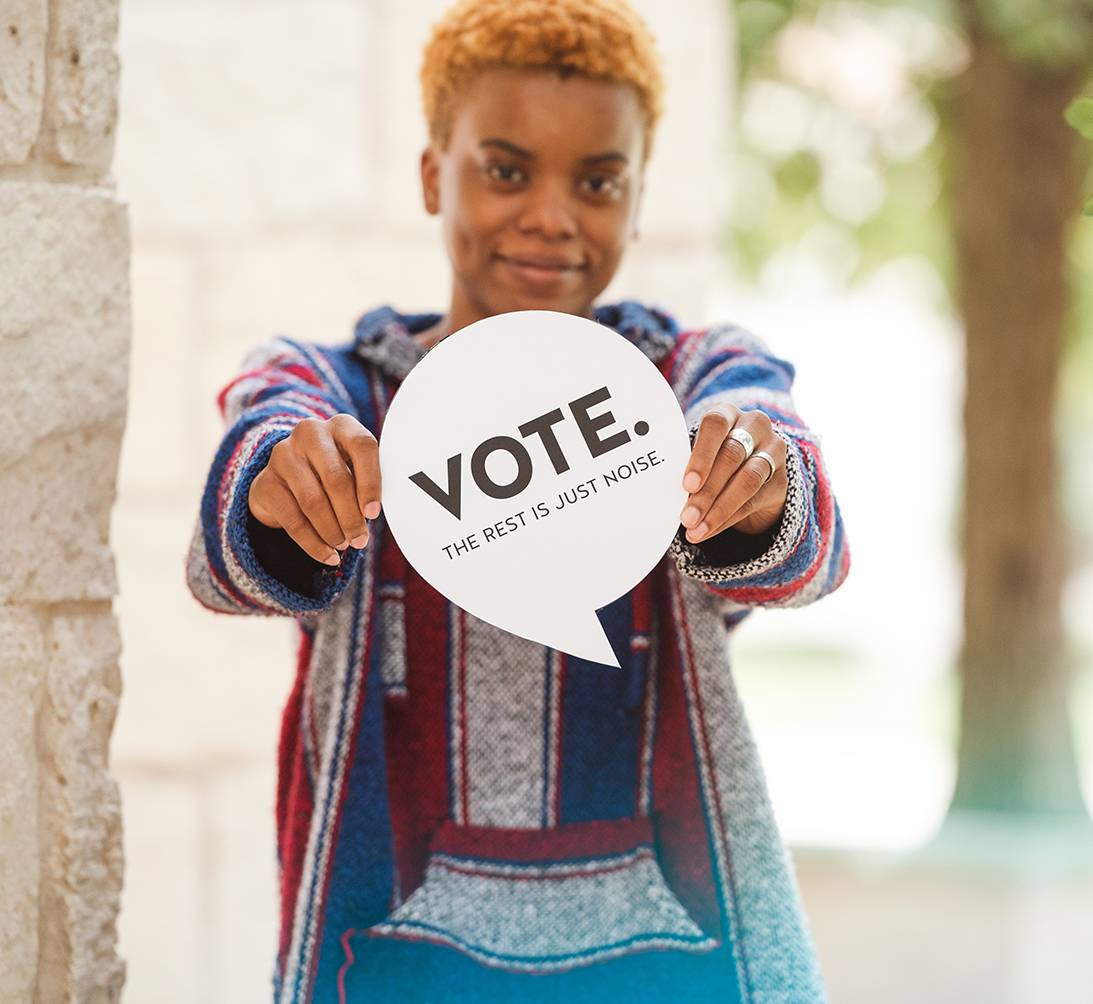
[
  {"x": 235, "y": 564},
  {"x": 806, "y": 554}
]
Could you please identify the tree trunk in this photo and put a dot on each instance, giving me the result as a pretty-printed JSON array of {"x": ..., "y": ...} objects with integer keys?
[{"x": 1016, "y": 190}]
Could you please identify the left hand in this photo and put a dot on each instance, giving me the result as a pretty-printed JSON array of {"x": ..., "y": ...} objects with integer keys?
[{"x": 725, "y": 489}]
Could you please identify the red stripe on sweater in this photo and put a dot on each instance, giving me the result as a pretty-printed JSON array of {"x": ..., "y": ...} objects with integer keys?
[
  {"x": 304, "y": 373},
  {"x": 703, "y": 740},
  {"x": 594, "y": 838},
  {"x": 680, "y": 821},
  {"x": 416, "y": 731},
  {"x": 556, "y": 874},
  {"x": 222, "y": 394}
]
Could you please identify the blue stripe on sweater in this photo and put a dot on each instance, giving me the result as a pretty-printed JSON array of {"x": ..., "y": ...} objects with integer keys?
[
  {"x": 599, "y": 734},
  {"x": 362, "y": 872}
]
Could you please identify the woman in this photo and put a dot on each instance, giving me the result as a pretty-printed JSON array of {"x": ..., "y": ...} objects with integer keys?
[{"x": 464, "y": 815}]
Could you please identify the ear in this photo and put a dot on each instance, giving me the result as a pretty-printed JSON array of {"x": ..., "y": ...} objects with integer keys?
[{"x": 430, "y": 180}]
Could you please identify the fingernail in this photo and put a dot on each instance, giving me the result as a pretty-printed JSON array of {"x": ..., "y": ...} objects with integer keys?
[
  {"x": 698, "y": 533},
  {"x": 690, "y": 516},
  {"x": 692, "y": 481},
  {"x": 359, "y": 542},
  {"x": 334, "y": 559},
  {"x": 372, "y": 510}
]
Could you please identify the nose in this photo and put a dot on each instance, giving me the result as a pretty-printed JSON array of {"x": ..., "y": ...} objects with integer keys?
[{"x": 548, "y": 213}]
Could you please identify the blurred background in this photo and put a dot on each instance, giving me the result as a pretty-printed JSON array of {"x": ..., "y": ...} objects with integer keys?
[{"x": 889, "y": 194}]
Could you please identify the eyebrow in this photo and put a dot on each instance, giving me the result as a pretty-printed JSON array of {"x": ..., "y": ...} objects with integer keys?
[{"x": 519, "y": 151}]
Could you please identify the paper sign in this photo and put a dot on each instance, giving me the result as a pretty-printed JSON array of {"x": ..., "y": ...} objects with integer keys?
[{"x": 532, "y": 468}]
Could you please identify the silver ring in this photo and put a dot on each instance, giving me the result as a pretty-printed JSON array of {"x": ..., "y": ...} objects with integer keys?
[
  {"x": 770, "y": 460},
  {"x": 744, "y": 438}
]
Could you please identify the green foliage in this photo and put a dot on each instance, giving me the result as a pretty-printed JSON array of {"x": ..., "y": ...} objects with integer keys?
[
  {"x": 798, "y": 175},
  {"x": 806, "y": 180},
  {"x": 791, "y": 155},
  {"x": 1079, "y": 114},
  {"x": 1049, "y": 34},
  {"x": 913, "y": 217},
  {"x": 757, "y": 22}
]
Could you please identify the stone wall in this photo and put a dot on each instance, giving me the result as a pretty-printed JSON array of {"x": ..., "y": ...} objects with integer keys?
[{"x": 64, "y": 344}]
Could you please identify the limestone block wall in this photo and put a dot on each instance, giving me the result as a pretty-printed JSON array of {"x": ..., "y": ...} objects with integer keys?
[{"x": 64, "y": 340}]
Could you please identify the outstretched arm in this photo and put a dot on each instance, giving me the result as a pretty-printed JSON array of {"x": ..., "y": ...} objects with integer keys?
[
  {"x": 801, "y": 552},
  {"x": 237, "y": 564}
]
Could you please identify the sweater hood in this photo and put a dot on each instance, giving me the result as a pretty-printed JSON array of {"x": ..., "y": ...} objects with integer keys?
[{"x": 385, "y": 337}]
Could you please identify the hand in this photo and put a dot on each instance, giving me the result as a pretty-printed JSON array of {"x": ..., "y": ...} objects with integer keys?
[
  {"x": 725, "y": 489},
  {"x": 320, "y": 484}
]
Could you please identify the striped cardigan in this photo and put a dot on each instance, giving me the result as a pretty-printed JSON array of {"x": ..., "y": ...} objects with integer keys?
[{"x": 464, "y": 815}]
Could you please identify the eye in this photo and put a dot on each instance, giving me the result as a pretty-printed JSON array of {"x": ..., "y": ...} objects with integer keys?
[
  {"x": 604, "y": 184},
  {"x": 507, "y": 174}
]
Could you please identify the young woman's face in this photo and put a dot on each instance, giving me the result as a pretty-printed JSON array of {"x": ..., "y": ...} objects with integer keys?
[{"x": 538, "y": 189}]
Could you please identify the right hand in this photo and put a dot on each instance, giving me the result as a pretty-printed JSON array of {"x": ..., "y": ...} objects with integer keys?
[{"x": 320, "y": 484}]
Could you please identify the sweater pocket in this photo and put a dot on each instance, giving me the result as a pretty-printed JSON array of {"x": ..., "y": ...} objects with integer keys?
[{"x": 545, "y": 900}]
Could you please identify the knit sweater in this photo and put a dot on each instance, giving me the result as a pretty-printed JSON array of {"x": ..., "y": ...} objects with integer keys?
[{"x": 466, "y": 815}]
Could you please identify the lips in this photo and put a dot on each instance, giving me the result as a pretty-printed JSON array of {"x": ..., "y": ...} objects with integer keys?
[
  {"x": 541, "y": 262},
  {"x": 541, "y": 274}
]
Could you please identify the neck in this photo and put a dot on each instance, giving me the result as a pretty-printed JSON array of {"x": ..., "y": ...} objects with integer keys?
[{"x": 461, "y": 312}]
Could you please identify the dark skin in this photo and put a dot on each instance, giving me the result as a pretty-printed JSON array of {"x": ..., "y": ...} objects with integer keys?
[{"x": 538, "y": 191}]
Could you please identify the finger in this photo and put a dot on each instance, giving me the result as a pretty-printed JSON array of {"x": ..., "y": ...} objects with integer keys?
[
  {"x": 750, "y": 484},
  {"x": 337, "y": 481},
  {"x": 725, "y": 465},
  {"x": 745, "y": 492},
  {"x": 292, "y": 520},
  {"x": 731, "y": 455},
  {"x": 712, "y": 430},
  {"x": 311, "y": 497},
  {"x": 360, "y": 448},
  {"x": 258, "y": 499}
]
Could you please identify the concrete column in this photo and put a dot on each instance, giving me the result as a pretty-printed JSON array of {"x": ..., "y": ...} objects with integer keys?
[{"x": 64, "y": 342}]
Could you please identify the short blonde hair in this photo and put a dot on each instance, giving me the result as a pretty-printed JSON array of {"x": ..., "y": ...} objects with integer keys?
[{"x": 603, "y": 39}]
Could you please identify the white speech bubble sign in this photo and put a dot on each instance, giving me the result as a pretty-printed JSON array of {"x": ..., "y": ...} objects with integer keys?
[{"x": 530, "y": 530}]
